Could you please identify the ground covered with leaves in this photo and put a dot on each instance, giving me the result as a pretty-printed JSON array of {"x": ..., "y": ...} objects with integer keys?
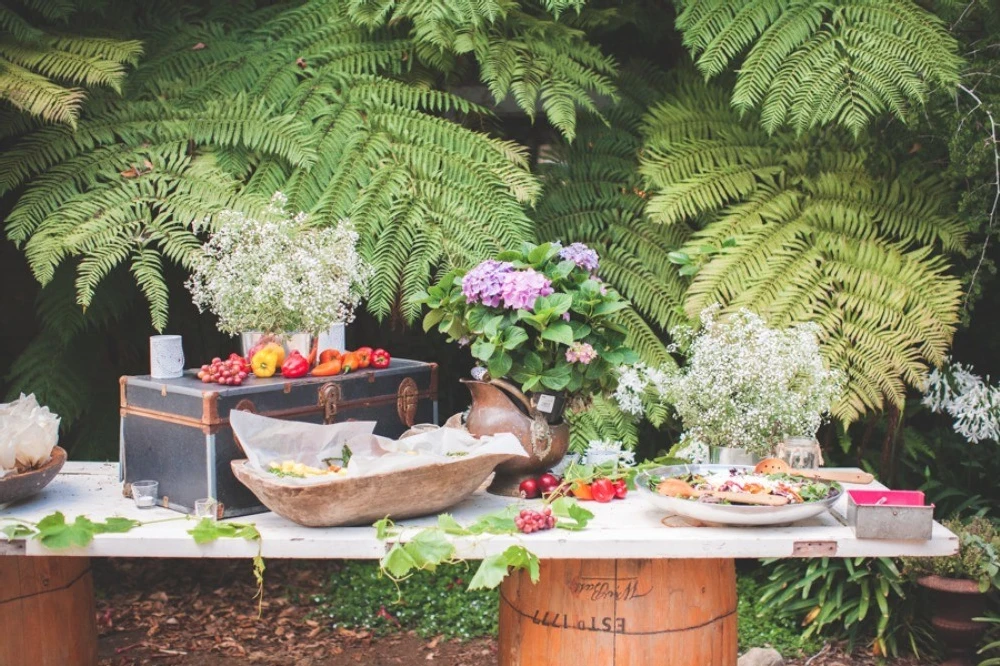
[{"x": 322, "y": 613}]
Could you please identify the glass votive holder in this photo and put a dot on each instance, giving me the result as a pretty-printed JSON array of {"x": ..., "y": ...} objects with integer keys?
[
  {"x": 800, "y": 452},
  {"x": 206, "y": 508},
  {"x": 144, "y": 493}
]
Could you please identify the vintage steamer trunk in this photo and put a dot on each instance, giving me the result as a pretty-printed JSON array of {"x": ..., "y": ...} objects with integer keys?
[{"x": 177, "y": 431}]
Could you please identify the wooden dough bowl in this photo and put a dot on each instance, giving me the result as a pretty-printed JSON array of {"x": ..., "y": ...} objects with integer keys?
[
  {"x": 363, "y": 500},
  {"x": 14, "y": 487}
]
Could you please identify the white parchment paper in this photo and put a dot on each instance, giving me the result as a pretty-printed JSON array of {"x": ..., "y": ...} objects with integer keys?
[{"x": 266, "y": 439}]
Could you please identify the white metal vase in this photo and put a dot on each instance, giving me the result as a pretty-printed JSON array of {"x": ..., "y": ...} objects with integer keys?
[
  {"x": 727, "y": 455},
  {"x": 334, "y": 338}
]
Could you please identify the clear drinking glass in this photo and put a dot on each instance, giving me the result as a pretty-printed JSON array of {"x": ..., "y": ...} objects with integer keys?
[
  {"x": 800, "y": 452},
  {"x": 144, "y": 493},
  {"x": 206, "y": 508}
]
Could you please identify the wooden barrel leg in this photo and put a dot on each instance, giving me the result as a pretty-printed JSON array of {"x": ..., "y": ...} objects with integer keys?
[
  {"x": 620, "y": 613},
  {"x": 47, "y": 612}
]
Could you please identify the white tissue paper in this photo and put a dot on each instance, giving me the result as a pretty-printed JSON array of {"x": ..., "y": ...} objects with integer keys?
[
  {"x": 266, "y": 439},
  {"x": 28, "y": 433}
]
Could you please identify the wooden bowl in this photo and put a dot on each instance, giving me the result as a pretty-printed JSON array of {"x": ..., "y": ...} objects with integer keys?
[
  {"x": 14, "y": 487},
  {"x": 363, "y": 500}
]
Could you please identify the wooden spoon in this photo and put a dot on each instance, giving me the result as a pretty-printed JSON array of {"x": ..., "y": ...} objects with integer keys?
[
  {"x": 679, "y": 488},
  {"x": 779, "y": 466}
]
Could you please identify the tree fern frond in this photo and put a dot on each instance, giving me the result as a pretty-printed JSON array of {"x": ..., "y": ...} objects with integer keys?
[
  {"x": 602, "y": 420},
  {"x": 43, "y": 75},
  {"x": 811, "y": 62},
  {"x": 816, "y": 236}
]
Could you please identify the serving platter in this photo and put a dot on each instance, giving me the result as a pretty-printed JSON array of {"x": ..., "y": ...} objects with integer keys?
[{"x": 727, "y": 514}]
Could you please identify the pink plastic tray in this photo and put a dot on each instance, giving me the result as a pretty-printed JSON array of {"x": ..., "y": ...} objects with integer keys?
[{"x": 890, "y": 497}]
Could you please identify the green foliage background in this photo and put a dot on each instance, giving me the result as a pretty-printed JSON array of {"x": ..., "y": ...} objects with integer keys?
[
  {"x": 826, "y": 161},
  {"x": 816, "y": 161}
]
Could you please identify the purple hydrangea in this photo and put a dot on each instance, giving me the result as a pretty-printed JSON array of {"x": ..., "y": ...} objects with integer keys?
[
  {"x": 581, "y": 352},
  {"x": 521, "y": 288},
  {"x": 483, "y": 284},
  {"x": 581, "y": 255}
]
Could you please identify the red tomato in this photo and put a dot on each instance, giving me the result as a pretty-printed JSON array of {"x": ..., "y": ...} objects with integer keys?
[
  {"x": 602, "y": 490},
  {"x": 621, "y": 489}
]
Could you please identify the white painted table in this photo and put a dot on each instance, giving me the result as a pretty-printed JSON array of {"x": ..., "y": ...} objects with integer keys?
[{"x": 594, "y": 574}]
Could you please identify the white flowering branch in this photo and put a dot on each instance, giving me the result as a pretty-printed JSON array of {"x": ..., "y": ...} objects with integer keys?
[
  {"x": 278, "y": 274},
  {"x": 968, "y": 399},
  {"x": 745, "y": 385}
]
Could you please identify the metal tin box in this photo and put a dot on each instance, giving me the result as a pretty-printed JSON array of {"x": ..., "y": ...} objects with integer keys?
[
  {"x": 177, "y": 431},
  {"x": 889, "y": 514}
]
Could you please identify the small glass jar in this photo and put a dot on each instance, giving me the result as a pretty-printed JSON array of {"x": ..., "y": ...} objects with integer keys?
[{"x": 800, "y": 452}]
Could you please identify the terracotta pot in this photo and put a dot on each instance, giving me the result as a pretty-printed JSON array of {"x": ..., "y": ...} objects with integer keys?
[
  {"x": 493, "y": 410},
  {"x": 955, "y": 602}
]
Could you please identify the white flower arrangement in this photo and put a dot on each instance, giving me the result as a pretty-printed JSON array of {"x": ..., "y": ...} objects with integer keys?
[
  {"x": 601, "y": 450},
  {"x": 278, "y": 274},
  {"x": 967, "y": 398},
  {"x": 745, "y": 385}
]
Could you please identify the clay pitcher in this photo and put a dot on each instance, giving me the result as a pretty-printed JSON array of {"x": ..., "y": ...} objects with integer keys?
[{"x": 493, "y": 410}]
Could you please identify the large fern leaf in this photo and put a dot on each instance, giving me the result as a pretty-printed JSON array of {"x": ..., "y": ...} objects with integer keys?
[
  {"x": 300, "y": 99},
  {"x": 44, "y": 74},
  {"x": 818, "y": 237},
  {"x": 813, "y": 62},
  {"x": 543, "y": 64}
]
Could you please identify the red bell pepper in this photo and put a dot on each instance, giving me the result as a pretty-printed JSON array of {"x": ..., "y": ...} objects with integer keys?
[
  {"x": 380, "y": 358},
  {"x": 296, "y": 365}
]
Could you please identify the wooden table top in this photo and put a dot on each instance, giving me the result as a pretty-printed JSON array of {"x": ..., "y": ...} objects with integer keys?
[{"x": 621, "y": 529}]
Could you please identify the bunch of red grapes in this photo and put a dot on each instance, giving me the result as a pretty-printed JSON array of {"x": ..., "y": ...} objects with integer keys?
[
  {"x": 230, "y": 372},
  {"x": 529, "y": 521}
]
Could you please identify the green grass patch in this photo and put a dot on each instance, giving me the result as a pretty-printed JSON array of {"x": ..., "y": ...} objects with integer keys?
[{"x": 429, "y": 603}]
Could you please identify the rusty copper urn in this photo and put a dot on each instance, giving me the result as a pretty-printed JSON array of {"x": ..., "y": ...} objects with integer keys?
[{"x": 494, "y": 410}]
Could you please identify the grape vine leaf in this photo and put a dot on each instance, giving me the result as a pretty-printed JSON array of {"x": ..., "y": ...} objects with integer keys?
[
  {"x": 384, "y": 528},
  {"x": 398, "y": 562},
  {"x": 430, "y": 548},
  {"x": 447, "y": 522},
  {"x": 208, "y": 530},
  {"x": 16, "y": 531},
  {"x": 498, "y": 522},
  {"x": 568, "y": 509},
  {"x": 116, "y": 525},
  {"x": 495, "y": 568},
  {"x": 426, "y": 550},
  {"x": 55, "y": 532}
]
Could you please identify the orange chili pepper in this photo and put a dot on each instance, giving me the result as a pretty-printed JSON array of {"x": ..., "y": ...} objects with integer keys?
[
  {"x": 350, "y": 362},
  {"x": 581, "y": 491},
  {"x": 329, "y": 368}
]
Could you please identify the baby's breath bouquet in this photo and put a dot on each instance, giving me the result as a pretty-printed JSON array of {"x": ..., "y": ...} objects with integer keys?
[
  {"x": 278, "y": 274},
  {"x": 745, "y": 385}
]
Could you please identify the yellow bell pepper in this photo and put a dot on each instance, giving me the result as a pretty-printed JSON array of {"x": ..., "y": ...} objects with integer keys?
[{"x": 267, "y": 360}]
